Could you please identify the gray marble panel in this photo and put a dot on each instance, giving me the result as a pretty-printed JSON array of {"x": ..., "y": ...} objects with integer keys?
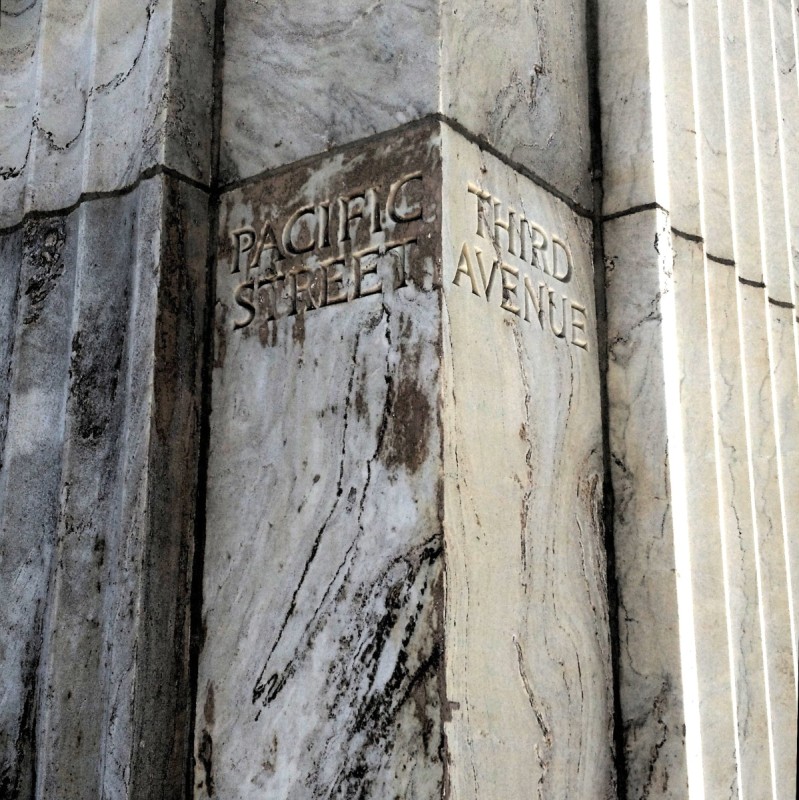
[
  {"x": 97, "y": 92},
  {"x": 30, "y": 482},
  {"x": 301, "y": 78},
  {"x": 97, "y": 494},
  {"x": 321, "y": 673}
]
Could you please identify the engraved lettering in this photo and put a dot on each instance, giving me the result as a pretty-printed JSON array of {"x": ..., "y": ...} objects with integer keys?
[
  {"x": 373, "y": 255},
  {"x": 243, "y": 240},
  {"x": 266, "y": 244},
  {"x": 509, "y": 226},
  {"x": 346, "y": 214},
  {"x": 578, "y": 324},
  {"x": 399, "y": 211},
  {"x": 305, "y": 282},
  {"x": 336, "y": 289},
  {"x": 266, "y": 297},
  {"x": 534, "y": 298},
  {"x": 488, "y": 282},
  {"x": 290, "y": 239},
  {"x": 245, "y": 303},
  {"x": 533, "y": 245},
  {"x": 465, "y": 267},
  {"x": 483, "y": 204},
  {"x": 323, "y": 215},
  {"x": 518, "y": 244},
  {"x": 288, "y": 272},
  {"x": 373, "y": 204},
  {"x": 559, "y": 244},
  {"x": 560, "y": 332},
  {"x": 510, "y": 282}
]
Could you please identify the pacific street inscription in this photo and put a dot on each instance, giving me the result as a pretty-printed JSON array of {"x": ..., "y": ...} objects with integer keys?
[
  {"x": 516, "y": 264},
  {"x": 327, "y": 253}
]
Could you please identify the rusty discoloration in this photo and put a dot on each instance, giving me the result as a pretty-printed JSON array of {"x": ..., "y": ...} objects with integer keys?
[
  {"x": 406, "y": 442},
  {"x": 208, "y": 707},
  {"x": 264, "y": 207}
]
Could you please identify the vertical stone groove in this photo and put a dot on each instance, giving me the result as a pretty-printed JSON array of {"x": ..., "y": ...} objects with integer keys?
[
  {"x": 209, "y": 352},
  {"x": 608, "y": 499}
]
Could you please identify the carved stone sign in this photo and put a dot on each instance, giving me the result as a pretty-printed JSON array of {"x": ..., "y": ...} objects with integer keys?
[
  {"x": 326, "y": 253},
  {"x": 403, "y": 552},
  {"x": 518, "y": 244}
]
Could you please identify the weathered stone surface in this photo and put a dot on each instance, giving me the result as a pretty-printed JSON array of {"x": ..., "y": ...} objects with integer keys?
[
  {"x": 94, "y": 93},
  {"x": 650, "y": 672},
  {"x": 404, "y": 590},
  {"x": 97, "y": 495},
  {"x": 31, "y": 479},
  {"x": 514, "y": 73},
  {"x": 527, "y": 645}
]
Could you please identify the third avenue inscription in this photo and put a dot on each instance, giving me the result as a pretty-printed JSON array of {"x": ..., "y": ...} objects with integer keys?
[{"x": 523, "y": 293}]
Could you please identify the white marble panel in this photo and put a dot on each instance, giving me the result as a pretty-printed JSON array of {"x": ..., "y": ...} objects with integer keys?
[
  {"x": 771, "y": 206},
  {"x": 710, "y": 124},
  {"x": 515, "y": 73},
  {"x": 740, "y": 141},
  {"x": 628, "y": 138},
  {"x": 779, "y": 661},
  {"x": 527, "y": 645},
  {"x": 670, "y": 41},
  {"x": 785, "y": 28},
  {"x": 744, "y": 622},
  {"x": 694, "y": 476},
  {"x": 650, "y": 663}
]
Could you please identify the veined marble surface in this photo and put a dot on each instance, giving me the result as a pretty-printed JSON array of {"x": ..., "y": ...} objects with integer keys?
[
  {"x": 404, "y": 585},
  {"x": 94, "y": 92},
  {"x": 302, "y": 77},
  {"x": 527, "y": 643},
  {"x": 650, "y": 671},
  {"x": 101, "y": 344}
]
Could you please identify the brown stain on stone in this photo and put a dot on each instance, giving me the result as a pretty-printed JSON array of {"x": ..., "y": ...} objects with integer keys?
[
  {"x": 205, "y": 755},
  {"x": 263, "y": 334},
  {"x": 298, "y": 329},
  {"x": 208, "y": 708},
  {"x": 407, "y": 437},
  {"x": 221, "y": 335}
]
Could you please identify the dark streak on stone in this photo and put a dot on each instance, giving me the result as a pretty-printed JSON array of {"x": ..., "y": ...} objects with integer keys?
[
  {"x": 18, "y": 779},
  {"x": 205, "y": 754},
  {"x": 43, "y": 247},
  {"x": 780, "y": 303},
  {"x": 406, "y": 440},
  {"x": 608, "y": 513}
]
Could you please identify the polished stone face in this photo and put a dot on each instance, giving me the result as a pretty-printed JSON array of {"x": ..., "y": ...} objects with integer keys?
[{"x": 405, "y": 578}]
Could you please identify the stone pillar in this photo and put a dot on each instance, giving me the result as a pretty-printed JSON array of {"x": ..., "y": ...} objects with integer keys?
[
  {"x": 104, "y": 159},
  {"x": 699, "y": 113},
  {"x": 405, "y": 582}
]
